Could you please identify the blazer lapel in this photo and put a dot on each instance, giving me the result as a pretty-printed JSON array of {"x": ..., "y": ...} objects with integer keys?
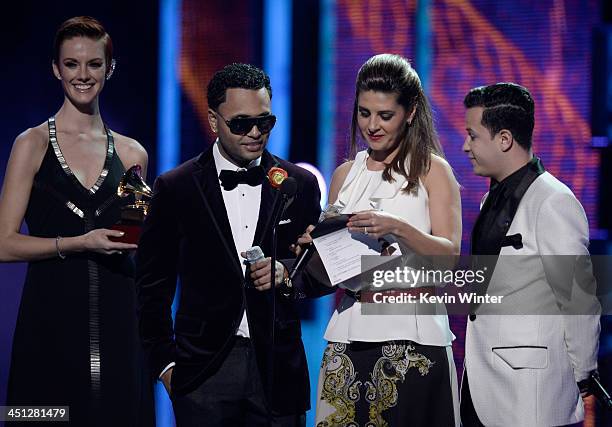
[
  {"x": 487, "y": 262},
  {"x": 503, "y": 220},
  {"x": 506, "y": 213},
  {"x": 268, "y": 198},
  {"x": 477, "y": 222},
  {"x": 209, "y": 189}
]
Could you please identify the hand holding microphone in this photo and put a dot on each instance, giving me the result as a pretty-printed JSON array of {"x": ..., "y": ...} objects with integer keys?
[
  {"x": 260, "y": 269},
  {"x": 253, "y": 255}
]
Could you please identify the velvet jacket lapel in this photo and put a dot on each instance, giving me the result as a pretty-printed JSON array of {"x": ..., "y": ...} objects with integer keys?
[
  {"x": 269, "y": 195},
  {"x": 207, "y": 182}
]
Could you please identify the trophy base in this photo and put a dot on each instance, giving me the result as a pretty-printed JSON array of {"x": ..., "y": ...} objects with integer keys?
[{"x": 132, "y": 233}]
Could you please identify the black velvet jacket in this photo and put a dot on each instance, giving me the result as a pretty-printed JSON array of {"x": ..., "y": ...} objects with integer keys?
[{"x": 187, "y": 236}]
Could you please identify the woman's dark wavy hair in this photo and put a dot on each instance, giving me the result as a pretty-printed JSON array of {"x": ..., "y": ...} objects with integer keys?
[{"x": 390, "y": 73}]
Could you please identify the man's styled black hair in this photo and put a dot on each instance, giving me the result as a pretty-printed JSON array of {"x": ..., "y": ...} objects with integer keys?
[
  {"x": 244, "y": 76},
  {"x": 506, "y": 106}
]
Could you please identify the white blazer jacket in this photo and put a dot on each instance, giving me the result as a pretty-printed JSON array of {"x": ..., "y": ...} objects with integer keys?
[{"x": 523, "y": 369}]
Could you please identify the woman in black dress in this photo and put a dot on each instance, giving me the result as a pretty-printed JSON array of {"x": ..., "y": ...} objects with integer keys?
[{"x": 76, "y": 340}]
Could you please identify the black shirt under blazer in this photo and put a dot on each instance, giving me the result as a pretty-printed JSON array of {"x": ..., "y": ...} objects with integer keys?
[{"x": 187, "y": 236}]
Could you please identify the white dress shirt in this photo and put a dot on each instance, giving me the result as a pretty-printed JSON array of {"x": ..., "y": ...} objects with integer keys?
[{"x": 242, "y": 207}]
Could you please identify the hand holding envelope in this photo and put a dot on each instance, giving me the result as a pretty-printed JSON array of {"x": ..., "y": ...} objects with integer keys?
[{"x": 340, "y": 250}]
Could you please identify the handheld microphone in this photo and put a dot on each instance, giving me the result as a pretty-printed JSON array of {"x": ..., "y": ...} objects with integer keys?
[{"x": 254, "y": 254}]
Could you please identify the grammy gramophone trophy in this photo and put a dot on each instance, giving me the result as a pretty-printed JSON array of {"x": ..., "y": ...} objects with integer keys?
[{"x": 132, "y": 216}]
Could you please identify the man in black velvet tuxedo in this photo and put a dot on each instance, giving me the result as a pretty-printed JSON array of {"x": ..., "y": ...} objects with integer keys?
[{"x": 214, "y": 360}]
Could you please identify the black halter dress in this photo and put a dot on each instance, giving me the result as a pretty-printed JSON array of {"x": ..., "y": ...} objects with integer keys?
[{"x": 76, "y": 340}]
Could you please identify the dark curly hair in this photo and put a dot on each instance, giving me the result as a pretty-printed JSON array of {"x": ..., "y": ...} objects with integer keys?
[
  {"x": 243, "y": 76},
  {"x": 506, "y": 106}
]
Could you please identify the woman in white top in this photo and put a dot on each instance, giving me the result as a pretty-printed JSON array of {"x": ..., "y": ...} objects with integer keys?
[{"x": 391, "y": 369}]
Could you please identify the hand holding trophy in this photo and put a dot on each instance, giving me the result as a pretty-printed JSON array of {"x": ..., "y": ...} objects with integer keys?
[{"x": 132, "y": 216}]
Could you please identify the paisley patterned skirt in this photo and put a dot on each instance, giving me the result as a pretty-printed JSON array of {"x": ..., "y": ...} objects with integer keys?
[{"x": 393, "y": 383}]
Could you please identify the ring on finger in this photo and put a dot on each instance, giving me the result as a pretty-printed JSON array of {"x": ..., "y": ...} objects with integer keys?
[{"x": 365, "y": 230}]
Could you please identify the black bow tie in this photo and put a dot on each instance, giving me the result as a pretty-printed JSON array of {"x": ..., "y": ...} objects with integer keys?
[{"x": 253, "y": 176}]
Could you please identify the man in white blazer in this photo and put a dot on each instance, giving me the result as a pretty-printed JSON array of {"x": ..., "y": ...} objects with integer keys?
[{"x": 523, "y": 369}]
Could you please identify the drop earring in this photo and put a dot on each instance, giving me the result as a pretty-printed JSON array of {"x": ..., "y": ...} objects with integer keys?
[{"x": 111, "y": 69}]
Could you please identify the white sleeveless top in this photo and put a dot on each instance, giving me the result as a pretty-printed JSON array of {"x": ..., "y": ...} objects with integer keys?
[{"x": 365, "y": 190}]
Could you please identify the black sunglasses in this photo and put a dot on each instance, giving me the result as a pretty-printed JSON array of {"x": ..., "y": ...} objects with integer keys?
[{"x": 243, "y": 125}]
